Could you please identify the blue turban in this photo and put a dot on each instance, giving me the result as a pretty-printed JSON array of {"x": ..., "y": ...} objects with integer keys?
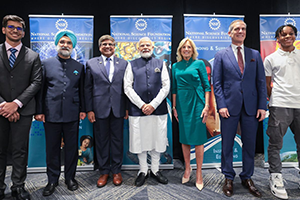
[{"x": 67, "y": 33}]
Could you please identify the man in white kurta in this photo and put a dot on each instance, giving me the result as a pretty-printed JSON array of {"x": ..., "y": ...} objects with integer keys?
[{"x": 147, "y": 84}]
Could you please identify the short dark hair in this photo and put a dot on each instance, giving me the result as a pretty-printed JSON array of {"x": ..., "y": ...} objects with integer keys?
[
  {"x": 106, "y": 37},
  {"x": 87, "y": 137},
  {"x": 13, "y": 18},
  {"x": 279, "y": 30}
]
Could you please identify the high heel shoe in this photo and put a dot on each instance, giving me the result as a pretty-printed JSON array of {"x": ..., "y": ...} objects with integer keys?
[
  {"x": 185, "y": 180},
  {"x": 199, "y": 186}
]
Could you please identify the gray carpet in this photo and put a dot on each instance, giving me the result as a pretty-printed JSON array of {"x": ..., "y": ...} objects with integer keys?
[{"x": 213, "y": 181}]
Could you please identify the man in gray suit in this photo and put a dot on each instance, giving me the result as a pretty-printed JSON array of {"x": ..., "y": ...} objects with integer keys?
[
  {"x": 105, "y": 105},
  {"x": 20, "y": 80}
]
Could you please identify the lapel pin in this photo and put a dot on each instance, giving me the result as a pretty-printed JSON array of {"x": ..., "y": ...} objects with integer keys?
[{"x": 75, "y": 72}]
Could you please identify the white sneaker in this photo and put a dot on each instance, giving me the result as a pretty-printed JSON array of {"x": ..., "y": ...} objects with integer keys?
[{"x": 277, "y": 186}]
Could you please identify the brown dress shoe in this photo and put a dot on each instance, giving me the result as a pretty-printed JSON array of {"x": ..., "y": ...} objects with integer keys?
[
  {"x": 117, "y": 179},
  {"x": 228, "y": 187},
  {"x": 248, "y": 183},
  {"x": 102, "y": 180}
]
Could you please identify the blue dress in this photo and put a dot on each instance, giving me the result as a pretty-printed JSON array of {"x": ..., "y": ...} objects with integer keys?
[{"x": 190, "y": 82}]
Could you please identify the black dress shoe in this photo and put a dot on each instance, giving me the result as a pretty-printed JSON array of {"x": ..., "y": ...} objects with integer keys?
[
  {"x": 140, "y": 180},
  {"x": 159, "y": 177},
  {"x": 248, "y": 183},
  {"x": 2, "y": 195},
  {"x": 228, "y": 187},
  {"x": 49, "y": 189},
  {"x": 20, "y": 193},
  {"x": 72, "y": 184}
]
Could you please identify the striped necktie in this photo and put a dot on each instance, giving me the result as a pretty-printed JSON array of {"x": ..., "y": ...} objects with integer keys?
[{"x": 12, "y": 57}]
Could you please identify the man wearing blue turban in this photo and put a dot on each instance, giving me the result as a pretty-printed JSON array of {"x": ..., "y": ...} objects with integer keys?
[{"x": 60, "y": 105}]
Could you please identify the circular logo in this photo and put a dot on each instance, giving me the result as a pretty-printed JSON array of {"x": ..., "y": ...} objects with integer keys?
[
  {"x": 214, "y": 24},
  {"x": 140, "y": 24},
  {"x": 290, "y": 21},
  {"x": 61, "y": 24}
]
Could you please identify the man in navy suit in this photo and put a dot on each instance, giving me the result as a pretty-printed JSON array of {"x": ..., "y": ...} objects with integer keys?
[
  {"x": 20, "y": 80},
  {"x": 106, "y": 105},
  {"x": 60, "y": 104},
  {"x": 240, "y": 92}
]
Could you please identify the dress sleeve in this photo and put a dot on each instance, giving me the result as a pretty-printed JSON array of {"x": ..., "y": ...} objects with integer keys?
[{"x": 203, "y": 76}]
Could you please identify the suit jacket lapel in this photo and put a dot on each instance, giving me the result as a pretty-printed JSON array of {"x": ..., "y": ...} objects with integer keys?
[
  {"x": 20, "y": 56},
  {"x": 116, "y": 68},
  {"x": 102, "y": 67},
  {"x": 233, "y": 59},
  {"x": 3, "y": 55},
  {"x": 248, "y": 57}
]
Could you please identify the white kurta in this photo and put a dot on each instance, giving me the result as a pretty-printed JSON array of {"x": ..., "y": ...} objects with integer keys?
[{"x": 147, "y": 132}]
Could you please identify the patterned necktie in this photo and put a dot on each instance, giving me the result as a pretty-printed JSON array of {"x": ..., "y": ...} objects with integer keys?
[
  {"x": 107, "y": 66},
  {"x": 12, "y": 57},
  {"x": 240, "y": 59}
]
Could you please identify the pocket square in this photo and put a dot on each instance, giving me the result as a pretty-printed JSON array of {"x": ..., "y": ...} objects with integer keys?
[
  {"x": 252, "y": 60},
  {"x": 156, "y": 70}
]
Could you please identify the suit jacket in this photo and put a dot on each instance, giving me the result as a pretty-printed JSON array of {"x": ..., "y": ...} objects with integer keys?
[
  {"x": 21, "y": 82},
  {"x": 101, "y": 95},
  {"x": 61, "y": 97},
  {"x": 232, "y": 89}
]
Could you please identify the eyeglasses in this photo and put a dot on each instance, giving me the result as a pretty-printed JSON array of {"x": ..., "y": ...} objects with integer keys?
[
  {"x": 109, "y": 44},
  {"x": 12, "y": 27}
]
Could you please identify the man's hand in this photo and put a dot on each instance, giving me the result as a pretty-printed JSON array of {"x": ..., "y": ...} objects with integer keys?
[
  {"x": 14, "y": 117},
  {"x": 8, "y": 108},
  {"x": 224, "y": 112},
  {"x": 147, "y": 109},
  {"x": 261, "y": 114},
  {"x": 82, "y": 115},
  {"x": 40, "y": 117},
  {"x": 91, "y": 116},
  {"x": 126, "y": 114}
]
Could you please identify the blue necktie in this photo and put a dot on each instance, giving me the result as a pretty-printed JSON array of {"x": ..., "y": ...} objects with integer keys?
[
  {"x": 12, "y": 57},
  {"x": 107, "y": 66}
]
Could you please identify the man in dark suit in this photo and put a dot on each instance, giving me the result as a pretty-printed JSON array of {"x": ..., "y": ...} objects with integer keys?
[
  {"x": 20, "y": 80},
  {"x": 240, "y": 92},
  {"x": 105, "y": 105},
  {"x": 60, "y": 105}
]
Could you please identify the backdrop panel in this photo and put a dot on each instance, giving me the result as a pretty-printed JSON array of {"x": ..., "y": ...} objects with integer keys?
[
  {"x": 42, "y": 31},
  {"x": 210, "y": 34},
  {"x": 127, "y": 31},
  {"x": 268, "y": 44}
]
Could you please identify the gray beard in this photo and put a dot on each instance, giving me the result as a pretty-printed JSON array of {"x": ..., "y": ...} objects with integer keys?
[
  {"x": 65, "y": 53},
  {"x": 146, "y": 55}
]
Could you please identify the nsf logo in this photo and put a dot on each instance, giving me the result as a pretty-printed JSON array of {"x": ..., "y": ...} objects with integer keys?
[
  {"x": 290, "y": 21},
  {"x": 141, "y": 24},
  {"x": 61, "y": 24},
  {"x": 214, "y": 24}
]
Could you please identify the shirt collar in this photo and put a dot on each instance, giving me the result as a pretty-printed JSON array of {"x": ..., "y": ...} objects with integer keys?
[
  {"x": 281, "y": 52},
  {"x": 111, "y": 57},
  {"x": 235, "y": 46},
  {"x": 8, "y": 46}
]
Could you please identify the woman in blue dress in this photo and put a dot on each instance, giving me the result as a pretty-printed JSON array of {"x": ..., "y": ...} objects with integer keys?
[{"x": 191, "y": 91}]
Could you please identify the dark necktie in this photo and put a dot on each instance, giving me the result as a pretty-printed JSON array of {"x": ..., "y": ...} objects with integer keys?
[
  {"x": 240, "y": 59},
  {"x": 12, "y": 57},
  {"x": 107, "y": 66}
]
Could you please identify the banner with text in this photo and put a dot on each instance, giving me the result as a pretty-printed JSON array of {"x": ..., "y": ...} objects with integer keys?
[
  {"x": 127, "y": 31},
  {"x": 210, "y": 34},
  {"x": 268, "y": 45},
  {"x": 42, "y": 31}
]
